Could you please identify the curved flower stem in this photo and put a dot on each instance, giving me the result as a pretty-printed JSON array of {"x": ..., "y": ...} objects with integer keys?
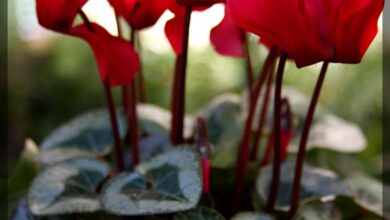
[
  {"x": 248, "y": 63},
  {"x": 277, "y": 143},
  {"x": 110, "y": 107},
  {"x": 243, "y": 156},
  {"x": 263, "y": 115},
  {"x": 114, "y": 126},
  {"x": 131, "y": 113},
  {"x": 303, "y": 141},
  {"x": 178, "y": 96},
  {"x": 268, "y": 150},
  {"x": 86, "y": 21},
  {"x": 140, "y": 78},
  {"x": 123, "y": 88}
]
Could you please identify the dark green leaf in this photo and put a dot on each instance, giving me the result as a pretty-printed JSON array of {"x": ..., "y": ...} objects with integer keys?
[
  {"x": 225, "y": 158},
  {"x": 22, "y": 212},
  {"x": 318, "y": 210},
  {"x": 328, "y": 131},
  {"x": 316, "y": 183},
  {"x": 167, "y": 183},
  {"x": 68, "y": 187},
  {"x": 342, "y": 207},
  {"x": 200, "y": 213},
  {"x": 369, "y": 193},
  {"x": 149, "y": 147},
  {"x": 224, "y": 123},
  {"x": 88, "y": 135},
  {"x": 154, "y": 120},
  {"x": 351, "y": 208}
]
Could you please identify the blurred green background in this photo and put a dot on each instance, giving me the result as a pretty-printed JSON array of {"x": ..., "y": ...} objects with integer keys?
[{"x": 52, "y": 78}]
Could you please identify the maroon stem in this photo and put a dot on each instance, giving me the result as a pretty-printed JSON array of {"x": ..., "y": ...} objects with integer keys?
[
  {"x": 140, "y": 77},
  {"x": 110, "y": 107},
  {"x": 131, "y": 114},
  {"x": 86, "y": 21},
  {"x": 202, "y": 139},
  {"x": 263, "y": 116},
  {"x": 123, "y": 88},
  {"x": 114, "y": 125},
  {"x": 248, "y": 63},
  {"x": 178, "y": 101},
  {"x": 274, "y": 186},
  {"x": 244, "y": 147},
  {"x": 303, "y": 141},
  {"x": 268, "y": 149}
]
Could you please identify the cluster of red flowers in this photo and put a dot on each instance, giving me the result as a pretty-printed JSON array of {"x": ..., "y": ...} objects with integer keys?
[
  {"x": 312, "y": 31},
  {"x": 117, "y": 60},
  {"x": 308, "y": 31}
]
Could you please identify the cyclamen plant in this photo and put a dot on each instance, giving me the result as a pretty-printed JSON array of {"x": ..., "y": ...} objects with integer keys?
[{"x": 235, "y": 161}]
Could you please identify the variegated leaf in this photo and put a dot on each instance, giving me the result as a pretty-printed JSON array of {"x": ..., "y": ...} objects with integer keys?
[
  {"x": 328, "y": 130},
  {"x": 224, "y": 122},
  {"x": 316, "y": 183},
  {"x": 154, "y": 120},
  {"x": 167, "y": 183},
  {"x": 88, "y": 135},
  {"x": 67, "y": 187}
]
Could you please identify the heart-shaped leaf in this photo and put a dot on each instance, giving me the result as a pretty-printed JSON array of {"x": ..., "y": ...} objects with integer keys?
[
  {"x": 167, "y": 183},
  {"x": 342, "y": 207},
  {"x": 88, "y": 135},
  {"x": 223, "y": 119},
  {"x": 369, "y": 193},
  {"x": 22, "y": 212},
  {"x": 200, "y": 213},
  {"x": 68, "y": 187},
  {"x": 350, "y": 207},
  {"x": 154, "y": 120},
  {"x": 327, "y": 131},
  {"x": 318, "y": 210},
  {"x": 251, "y": 216},
  {"x": 316, "y": 183},
  {"x": 225, "y": 158},
  {"x": 149, "y": 147}
]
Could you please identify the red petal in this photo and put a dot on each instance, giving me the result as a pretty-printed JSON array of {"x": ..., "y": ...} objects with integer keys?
[
  {"x": 226, "y": 38},
  {"x": 174, "y": 32},
  {"x": 58, "y": 15},
  {"x": 140, "y": 13},
  {"x": 296, "y": 26},
  {"x": 355, "y": 29},
  {"x": 116, "y": 58},
  {"x": 286, "y": 136},
  {"x": 206, "y": 168}
]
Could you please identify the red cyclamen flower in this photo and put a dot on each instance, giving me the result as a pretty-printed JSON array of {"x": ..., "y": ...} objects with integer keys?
[
  {"x": 312, "y": 31},
  {"x": 227, "y": 38},
  {"x": 58, "y": 15},
  {"x": 140, "y": 13},
  {"x": 353, "y": 25},
  {"x": 117, "y": 60}
]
